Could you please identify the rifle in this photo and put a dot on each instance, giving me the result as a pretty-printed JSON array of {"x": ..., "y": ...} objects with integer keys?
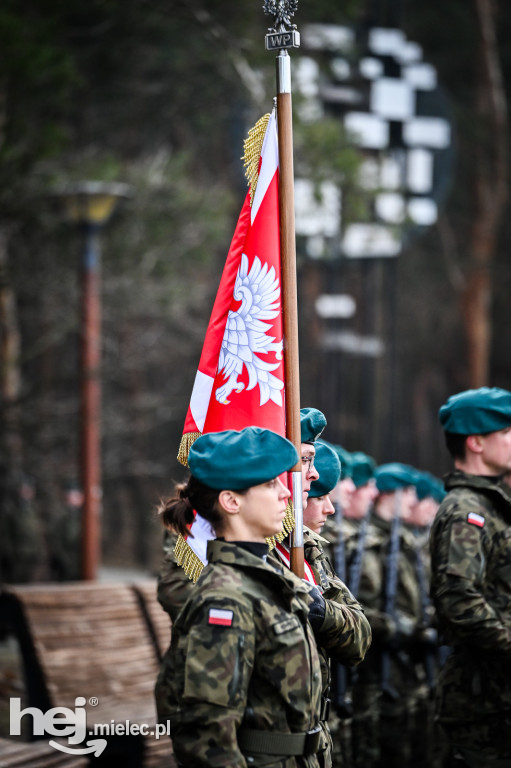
[
  {"x": 391, "y": 591},
  {"x": 343, "y": 702},
  {"x": 355, "y": 569}
]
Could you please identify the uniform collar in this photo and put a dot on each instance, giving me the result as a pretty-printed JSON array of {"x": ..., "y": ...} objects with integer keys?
[
  {"x": 313, "y": 536},
  {"x": 459, "y": 479},
  {"x": 231, "y": 553}
]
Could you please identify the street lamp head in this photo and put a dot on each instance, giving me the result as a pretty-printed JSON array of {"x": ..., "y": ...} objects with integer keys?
[{"x": 91, "y": 202}]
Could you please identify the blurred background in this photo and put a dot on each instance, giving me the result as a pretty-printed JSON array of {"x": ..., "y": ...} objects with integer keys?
[{"x": 401, "y": 145}]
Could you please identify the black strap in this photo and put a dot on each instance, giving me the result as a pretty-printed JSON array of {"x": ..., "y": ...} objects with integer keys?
[
  {"x": 273, "y": 743},
  {"x": 325, "y": 709}
]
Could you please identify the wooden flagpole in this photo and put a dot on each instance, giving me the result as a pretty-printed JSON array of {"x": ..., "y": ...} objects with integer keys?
[{"x": 282, "y": 36}]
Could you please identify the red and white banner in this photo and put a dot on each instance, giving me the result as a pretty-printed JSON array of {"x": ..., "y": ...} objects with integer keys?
[{"x": 240, "y": 378}]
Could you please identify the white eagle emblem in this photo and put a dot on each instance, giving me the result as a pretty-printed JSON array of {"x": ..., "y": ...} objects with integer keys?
[{"x": 246, "y": 335}]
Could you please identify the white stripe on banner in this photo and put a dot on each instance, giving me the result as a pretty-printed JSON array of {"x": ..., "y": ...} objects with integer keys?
[
  {"x": 201, "y": 395},
  {"x": 269, "y": 164}
]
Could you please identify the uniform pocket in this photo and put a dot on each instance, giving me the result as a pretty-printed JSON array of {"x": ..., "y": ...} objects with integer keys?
[{"x": 215, "y": 666}]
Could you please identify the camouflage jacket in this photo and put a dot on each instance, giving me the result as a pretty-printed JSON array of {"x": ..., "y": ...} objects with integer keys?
[
  {"x": 470, "y": 546},
  {"x": 242, "y": 657}
]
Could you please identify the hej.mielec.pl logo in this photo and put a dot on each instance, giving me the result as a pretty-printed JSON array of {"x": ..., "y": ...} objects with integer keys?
[{"x": 60, "y": 722}]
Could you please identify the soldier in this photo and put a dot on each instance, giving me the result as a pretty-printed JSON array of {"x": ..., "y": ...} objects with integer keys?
[
  {"x": 342, "y": 532},
  {"x": 363, "y": 468},
  {"x": 241, "y": 682},
  {"x": 350, "y": 632},
  {"x": 334, "y": 530},
  {"x": 319, "y": 505},
  {"x": 341, "y": 495},
  {"x": 174, "y": 583},
  {"x": 344, "y": 635},
  {"x": 428, "y": 744},
  {"x": 327, "y": 463},
  {"x": 430, "y": 493},
  {"x": 389, "y": 594},
  {"x": 471, "y": 579},
  {"x": 357, "y": 515}
]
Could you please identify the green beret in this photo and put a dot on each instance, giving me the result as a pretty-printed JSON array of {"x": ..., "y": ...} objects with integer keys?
[
  {"x": 312, "y": 424},
  {"x": 428, "y": 486},
  {"x": 329, "y": 468},
  {"x": 390, "y": 477},
  {"x": 231, "y": 460},
  {"x": 344, "y": 457},
  {"x": 362, "y": 468},
  {"x": 476, "y": 411}
]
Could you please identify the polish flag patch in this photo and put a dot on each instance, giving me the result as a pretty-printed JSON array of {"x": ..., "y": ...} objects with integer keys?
[
  {"x": 475, "y": 519},
  {"x": 219, "y": 616}
]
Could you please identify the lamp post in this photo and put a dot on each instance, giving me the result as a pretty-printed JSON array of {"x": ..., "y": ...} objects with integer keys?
[{"x": 90, "y": 205}]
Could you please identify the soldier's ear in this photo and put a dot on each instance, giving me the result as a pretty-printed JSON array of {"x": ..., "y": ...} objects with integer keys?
[
  {"x": 475, "y": 443},
  {"x": 229, "y": 501}
]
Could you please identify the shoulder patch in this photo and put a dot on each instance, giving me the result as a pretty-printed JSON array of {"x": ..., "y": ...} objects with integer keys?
[
  {"x": 475, "y": 519},
  {"x": 220, "y": 616}
]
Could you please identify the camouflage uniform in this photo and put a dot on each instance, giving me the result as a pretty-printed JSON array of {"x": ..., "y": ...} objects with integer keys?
[
  {"x": 174, "y": 586},
  {"x": 380, "y": 725},
  {"x": 470, "y": 546},
  {"x": 344, "y": 636},
  {"x": 426, "y": 743},
  {"x": 244, "y": 692}
]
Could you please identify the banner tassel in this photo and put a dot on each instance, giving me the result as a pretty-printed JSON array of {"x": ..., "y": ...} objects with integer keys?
[
  {"x": 191, "y": 564},
  {"x": 252, "y": 148},
  {"x": 186, "y": 443}
]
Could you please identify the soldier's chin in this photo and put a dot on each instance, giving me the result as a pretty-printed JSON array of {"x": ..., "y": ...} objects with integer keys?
[{"x": 279, "y": 527}]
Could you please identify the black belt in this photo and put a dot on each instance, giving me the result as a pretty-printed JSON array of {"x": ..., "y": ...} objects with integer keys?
[{"x": 273, "y": 743}]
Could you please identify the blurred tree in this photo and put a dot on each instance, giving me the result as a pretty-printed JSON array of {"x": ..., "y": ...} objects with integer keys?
[
  {"x": 35, "y": 71},
  {"x": 491, "y": 188},
  {"x": 467, "y": 44}
]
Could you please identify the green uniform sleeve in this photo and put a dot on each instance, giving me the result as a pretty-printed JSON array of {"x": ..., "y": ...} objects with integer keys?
[
  {"x": 346, "y": 632},
  {"x": 461, "y": 552},
  {"x": 213, "y": 660}
]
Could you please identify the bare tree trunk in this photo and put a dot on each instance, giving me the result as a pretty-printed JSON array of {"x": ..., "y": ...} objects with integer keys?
[{"x": 491, "y": 190}]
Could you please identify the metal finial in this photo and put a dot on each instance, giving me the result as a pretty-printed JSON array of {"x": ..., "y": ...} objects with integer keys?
[
  {"x": 282, "y": 11},
  {"x": 283, "y": 34}
]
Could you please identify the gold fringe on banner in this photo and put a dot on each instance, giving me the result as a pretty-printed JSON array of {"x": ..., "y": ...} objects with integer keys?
[
  {"x": 289, "y": 524},
  {"x": 252, "y": 147},
  {"x": 187, "y": 559},
  {"x": 186, "y": 443}
]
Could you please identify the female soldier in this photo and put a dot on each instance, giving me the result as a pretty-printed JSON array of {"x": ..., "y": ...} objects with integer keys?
[{"x": 241, "y": 679}]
